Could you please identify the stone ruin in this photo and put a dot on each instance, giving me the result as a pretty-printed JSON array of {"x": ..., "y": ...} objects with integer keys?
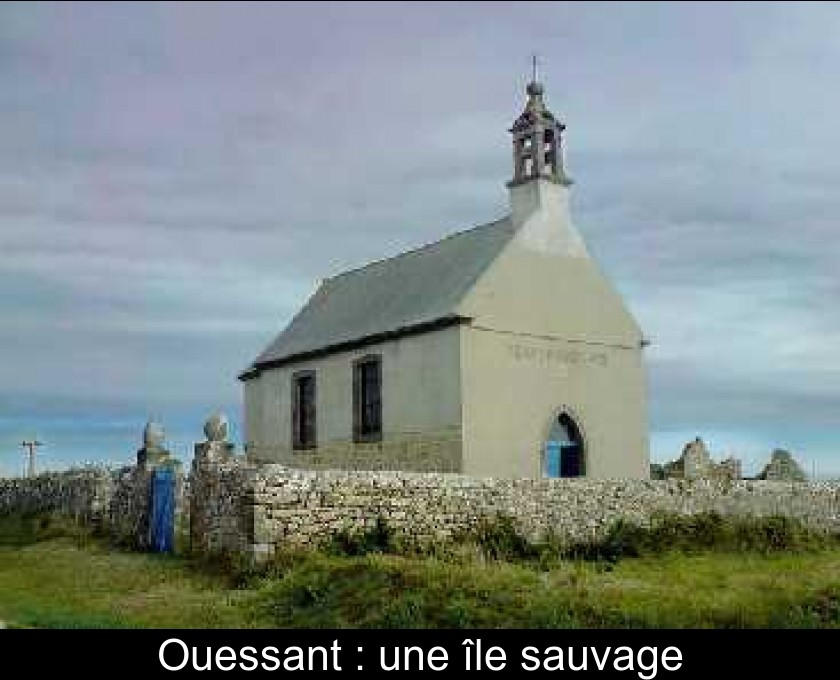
[
  {"x": 696, "y": 463},
  {"x": 782, "y": 468}
]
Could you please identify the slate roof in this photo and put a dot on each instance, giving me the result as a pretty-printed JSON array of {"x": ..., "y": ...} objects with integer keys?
[{"x": 416, "y": 289}]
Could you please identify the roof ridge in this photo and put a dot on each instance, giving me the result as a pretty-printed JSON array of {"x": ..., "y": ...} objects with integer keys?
[{"x": 417, "y": 249}]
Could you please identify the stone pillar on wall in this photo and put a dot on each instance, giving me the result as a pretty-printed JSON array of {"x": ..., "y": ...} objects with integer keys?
[
  {"x": 220, "y": 493},
  {"x": 133, "y": 507}
]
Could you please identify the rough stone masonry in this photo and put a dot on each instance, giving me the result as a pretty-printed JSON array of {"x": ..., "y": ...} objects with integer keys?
[
  {"x": 114, "y": 501},
  {"x": 239, "y": 507},
  {"x": 279, "y": 506}
]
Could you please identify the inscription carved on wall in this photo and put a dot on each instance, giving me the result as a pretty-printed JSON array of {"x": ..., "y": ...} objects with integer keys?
[{"x": 542, "y": 356}]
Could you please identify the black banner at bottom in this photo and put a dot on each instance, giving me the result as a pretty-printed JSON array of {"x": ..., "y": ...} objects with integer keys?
[{"x": 644, "y": 654}]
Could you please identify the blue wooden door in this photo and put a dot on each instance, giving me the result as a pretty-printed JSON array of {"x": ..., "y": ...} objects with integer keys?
[
  {"x": 552, "y": 458},
  {"x": 162, "y": 519}
]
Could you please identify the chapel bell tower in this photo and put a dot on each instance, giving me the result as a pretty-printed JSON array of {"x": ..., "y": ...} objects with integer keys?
[{"x": 537, "y": 140}]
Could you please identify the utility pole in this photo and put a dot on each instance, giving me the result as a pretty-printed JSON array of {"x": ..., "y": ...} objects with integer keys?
[{"x": 31, "y": 445}]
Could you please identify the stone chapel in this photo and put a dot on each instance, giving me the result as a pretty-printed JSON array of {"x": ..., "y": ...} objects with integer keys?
[{"x": 499, "y": 351}]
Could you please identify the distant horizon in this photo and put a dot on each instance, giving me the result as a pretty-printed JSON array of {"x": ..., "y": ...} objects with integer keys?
[{"x": 76, "y": 442}]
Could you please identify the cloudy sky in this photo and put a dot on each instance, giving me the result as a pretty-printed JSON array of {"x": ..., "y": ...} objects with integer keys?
[{"x": 175, "y": 178}]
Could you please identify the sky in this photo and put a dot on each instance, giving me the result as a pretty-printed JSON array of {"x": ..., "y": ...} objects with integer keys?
[{"x": 175, "y": 179}]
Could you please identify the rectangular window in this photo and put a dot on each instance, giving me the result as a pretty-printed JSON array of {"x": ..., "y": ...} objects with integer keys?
[
  {"x": 367, "y": 399},
  {"x": 303, "y": 410}
]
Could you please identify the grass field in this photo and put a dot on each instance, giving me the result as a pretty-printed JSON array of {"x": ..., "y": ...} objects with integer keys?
[{"x": 61, "y": 578}]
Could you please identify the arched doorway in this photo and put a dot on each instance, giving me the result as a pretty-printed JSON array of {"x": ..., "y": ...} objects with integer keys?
[{"x": 564, "y": 450}]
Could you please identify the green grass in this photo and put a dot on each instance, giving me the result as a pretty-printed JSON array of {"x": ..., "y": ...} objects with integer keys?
[
  {"x": 713, "y": 590},
  {"x": 50, "y": 579},
  {"x": 54, "y": 575}
]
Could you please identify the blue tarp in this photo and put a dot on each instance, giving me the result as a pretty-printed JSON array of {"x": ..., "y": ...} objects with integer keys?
[{"x": 162, "y": 520}]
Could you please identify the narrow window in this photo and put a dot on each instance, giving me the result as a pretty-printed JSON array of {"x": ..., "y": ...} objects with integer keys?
[
  {"x": 367, "y": 399},
  {"x": 303, "y": 410}
]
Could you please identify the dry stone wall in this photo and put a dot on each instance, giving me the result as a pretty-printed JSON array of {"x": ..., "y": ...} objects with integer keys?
[
  {"x": 279, "y": 506},
  {"x": 84, "y": 495},
  {"x": 114, "y": 501},
  {"x": 129, "y": 506},
  {"x": 238, "y": 507},
  {"x": 221, "y": 503}
]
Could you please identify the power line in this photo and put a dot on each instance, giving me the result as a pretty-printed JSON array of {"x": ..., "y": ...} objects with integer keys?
[{"x": 31, "y": 446}]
